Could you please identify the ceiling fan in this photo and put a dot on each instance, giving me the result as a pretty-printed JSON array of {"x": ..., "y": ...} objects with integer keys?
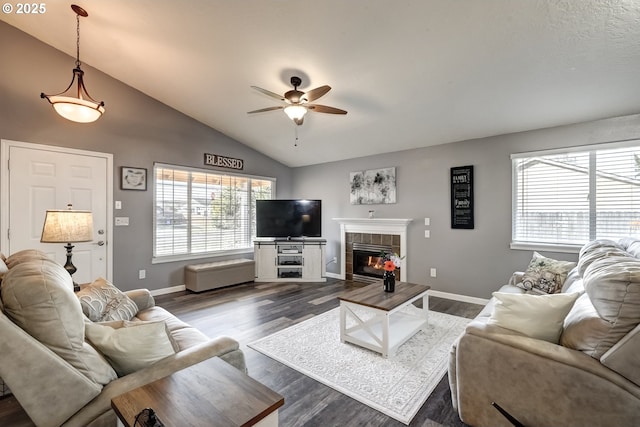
[{"x": 297, "y": 103}]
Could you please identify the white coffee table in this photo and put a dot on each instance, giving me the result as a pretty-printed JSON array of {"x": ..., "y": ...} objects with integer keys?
[{"x": 381, "y": 324}]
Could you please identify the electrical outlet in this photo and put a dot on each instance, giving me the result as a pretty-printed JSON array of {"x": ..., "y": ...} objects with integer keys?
[
  {"x": 427, "y": 234},
  {"x": 142, "y": 274},
  {"x": 433, "y": 272}
]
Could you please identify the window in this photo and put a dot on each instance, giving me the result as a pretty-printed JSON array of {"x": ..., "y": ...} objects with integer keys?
[
  {"x": 573, "y": 196},
  {"x": 199, "y": 213}
]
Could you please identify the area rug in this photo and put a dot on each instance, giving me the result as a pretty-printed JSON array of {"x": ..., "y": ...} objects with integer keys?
[{"x": 397, "y": 386}]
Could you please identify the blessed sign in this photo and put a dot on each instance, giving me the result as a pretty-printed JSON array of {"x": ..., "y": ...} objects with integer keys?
[{"x": 223, "y": 161}]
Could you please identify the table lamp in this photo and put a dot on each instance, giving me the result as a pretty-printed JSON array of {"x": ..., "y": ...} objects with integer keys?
[{"x": 68, "y": 226}]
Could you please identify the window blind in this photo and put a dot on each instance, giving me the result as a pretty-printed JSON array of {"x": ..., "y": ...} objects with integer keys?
[
  {"x": 199, "y": 212},
  {"x": 569, "y": 198}
]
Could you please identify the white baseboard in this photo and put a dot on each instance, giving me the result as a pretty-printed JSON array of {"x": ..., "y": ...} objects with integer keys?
[
  {"x": 458, "y": 297},
  {"x": 333, "y": 275},
  {"x": 164, "y": 291}
]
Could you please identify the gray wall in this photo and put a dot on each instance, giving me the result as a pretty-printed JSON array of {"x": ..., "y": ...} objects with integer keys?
[
  {"x": 136, "y": 129},
  {"x": 468, "y": 262},
  {"x": 139, "y": 130}
]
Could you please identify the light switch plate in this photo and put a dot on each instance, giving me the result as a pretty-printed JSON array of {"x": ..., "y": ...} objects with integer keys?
[{"x": 122, "y": 220}]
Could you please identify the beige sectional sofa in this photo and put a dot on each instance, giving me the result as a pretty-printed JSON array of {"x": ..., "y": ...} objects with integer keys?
[
  {"x": 590, "y": 377},
  {"x": 59, "y": 376}
]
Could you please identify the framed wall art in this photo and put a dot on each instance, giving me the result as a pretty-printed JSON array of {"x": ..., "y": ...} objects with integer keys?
[
  {"x": 374, "y": 186},
  {"x": 462, "y": 197},
  {"x": 133, "y": 178}
]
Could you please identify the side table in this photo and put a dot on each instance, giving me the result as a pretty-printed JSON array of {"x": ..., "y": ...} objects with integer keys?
[{"x": 209, "y": 393}]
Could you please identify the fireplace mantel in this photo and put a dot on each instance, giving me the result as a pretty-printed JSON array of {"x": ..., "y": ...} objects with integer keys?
[{"x": 396, "y": 226}]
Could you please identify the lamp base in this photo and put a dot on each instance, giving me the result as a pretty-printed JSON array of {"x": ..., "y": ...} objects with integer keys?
[{"x": 70, "y": 267}]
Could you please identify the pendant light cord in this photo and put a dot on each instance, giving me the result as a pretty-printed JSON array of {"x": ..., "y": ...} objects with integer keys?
[{"x": 78, "y": 63}]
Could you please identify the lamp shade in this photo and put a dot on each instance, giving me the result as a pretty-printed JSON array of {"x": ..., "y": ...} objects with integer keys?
[
  {"x": 295, "y": 112},
  {"x": 77, "y": 109},
  {"x": 67, "y": 226}
]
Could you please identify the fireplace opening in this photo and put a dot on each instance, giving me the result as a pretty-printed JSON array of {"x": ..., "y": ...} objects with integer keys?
[{"x": 368, "y": 261}]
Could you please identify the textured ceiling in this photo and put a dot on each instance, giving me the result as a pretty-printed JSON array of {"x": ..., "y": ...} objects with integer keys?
[{"x": 410, "y": 73}]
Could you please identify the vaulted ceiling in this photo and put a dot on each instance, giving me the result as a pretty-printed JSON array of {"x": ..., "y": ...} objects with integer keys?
[{"x": 410, "y": 73}]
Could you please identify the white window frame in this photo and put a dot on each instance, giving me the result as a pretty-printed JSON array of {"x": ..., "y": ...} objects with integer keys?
[
  {"x": 157, "y": 259},
  {"x": 560, "y": 246}
]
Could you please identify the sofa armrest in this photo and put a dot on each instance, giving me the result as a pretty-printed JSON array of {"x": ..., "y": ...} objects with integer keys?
[
  {"x": 142, "y": 298},
  {"x": 538, "y": 382},
  {"x": 38, "y": 389},
  {"x": 515, "y": 278},
  {"x": 183, "y": 359}
]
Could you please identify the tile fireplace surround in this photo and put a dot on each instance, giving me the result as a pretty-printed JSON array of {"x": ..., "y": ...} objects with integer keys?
[{"x": 392, "y": 231}]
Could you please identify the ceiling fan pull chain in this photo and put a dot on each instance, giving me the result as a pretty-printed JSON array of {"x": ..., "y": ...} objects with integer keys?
[{"x": 295, "y": 130}]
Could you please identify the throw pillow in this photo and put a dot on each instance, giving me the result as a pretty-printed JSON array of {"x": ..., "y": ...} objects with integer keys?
[
  {"x": 101, "y": 301},
  {"x": 536, "y": 316},
  {"x": 130, "y": 346},
  {"x": 545, "y": 275}
]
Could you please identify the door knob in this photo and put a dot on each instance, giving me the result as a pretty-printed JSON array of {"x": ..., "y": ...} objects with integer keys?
[
  {"x": 101, "y": 243},
  {"x": 100, "y": 231}
]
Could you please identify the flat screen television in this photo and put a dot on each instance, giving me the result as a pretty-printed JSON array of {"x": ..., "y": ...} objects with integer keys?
[{"x": 288, "y": 218}]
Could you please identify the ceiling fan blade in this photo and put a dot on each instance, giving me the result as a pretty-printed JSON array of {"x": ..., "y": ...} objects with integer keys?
[
  {"x": 271, "y": 94},
  {"x": 325, "y": 109},
  {"x": 262, "y": 110},
  {"x": 316, "y": 93}
]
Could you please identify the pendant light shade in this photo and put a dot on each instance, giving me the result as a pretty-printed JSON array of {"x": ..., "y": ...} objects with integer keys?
[{"x": 81, "y": 108}]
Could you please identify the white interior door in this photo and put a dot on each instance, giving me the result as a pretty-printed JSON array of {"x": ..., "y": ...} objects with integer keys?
[{"x": 43, "y": 177}]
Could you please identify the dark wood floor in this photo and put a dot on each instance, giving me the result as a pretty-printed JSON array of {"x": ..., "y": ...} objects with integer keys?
[{"x": 254, "y": 310}]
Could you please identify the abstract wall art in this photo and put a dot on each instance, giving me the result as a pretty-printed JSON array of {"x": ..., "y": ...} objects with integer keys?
[{"x": 374, "y": 186}]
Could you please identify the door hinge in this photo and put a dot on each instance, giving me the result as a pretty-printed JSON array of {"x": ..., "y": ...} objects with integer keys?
[{"x": 8, "y": 234}]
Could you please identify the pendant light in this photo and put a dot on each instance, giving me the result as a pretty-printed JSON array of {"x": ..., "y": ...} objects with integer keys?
[{"x": 81, "y": 108}]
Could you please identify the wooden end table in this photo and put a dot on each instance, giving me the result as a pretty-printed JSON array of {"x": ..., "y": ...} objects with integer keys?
[
  {"x": 209, "y": 393},
  {"x": 383, "y": 326}
]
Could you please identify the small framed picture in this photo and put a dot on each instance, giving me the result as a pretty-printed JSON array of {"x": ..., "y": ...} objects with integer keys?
[{"x": 133, "y": 178}]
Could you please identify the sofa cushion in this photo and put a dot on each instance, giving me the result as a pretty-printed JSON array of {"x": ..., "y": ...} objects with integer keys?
[
  {"x": 182, "y": 334},
  {"x": 613, "y": 287},
  {"x": 25, "y": 256},
  {"x": 38, "y": 296},
  {"x": 597, "y": 250},
  {"x": 101, "y": 302},
  {"x": 536, "y": 316},
  {"x": 545, "y": 275},
  {"x": 130, "y": 346},
  {"x": 584, "y": 329}
]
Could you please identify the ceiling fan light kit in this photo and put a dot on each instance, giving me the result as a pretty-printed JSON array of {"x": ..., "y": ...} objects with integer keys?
[
  {"x": 297, "y": 102},
  {"x": 81, "y": 108}
]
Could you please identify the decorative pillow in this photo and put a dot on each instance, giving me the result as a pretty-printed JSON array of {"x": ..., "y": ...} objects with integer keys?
[
  {"x": 101, "y": 302},
  {"x": 130, "y": 346},
  {"x": 536, "y": 316},
  {"x": 545, "y": 275}
]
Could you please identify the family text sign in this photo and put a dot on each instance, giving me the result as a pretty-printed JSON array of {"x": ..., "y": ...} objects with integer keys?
[{"x": 462, "y": 197}]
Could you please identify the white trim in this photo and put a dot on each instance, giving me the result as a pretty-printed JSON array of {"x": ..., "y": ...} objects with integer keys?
[
  {"x": 333, "y": 275},
  {"x": 6, "y": 144},
  {"x": 374, "y": 226},
  {"x": 568, "y": 249},
  {"x": 169, "y": 290},
  {"x": 458, "y": 297},
  {"x": 578, "y": 148}
]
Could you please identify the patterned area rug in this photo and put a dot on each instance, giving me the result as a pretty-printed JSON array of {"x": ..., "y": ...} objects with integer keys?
[{"x": 397, "y": 386}]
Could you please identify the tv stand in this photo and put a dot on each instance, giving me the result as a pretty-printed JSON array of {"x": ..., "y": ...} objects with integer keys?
[{"x": 290, "y": 260}]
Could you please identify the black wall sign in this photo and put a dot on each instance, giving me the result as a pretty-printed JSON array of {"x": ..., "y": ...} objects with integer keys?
[
  {"x": 223, "y": 161},
  {"x": 462, "y": 197}
]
